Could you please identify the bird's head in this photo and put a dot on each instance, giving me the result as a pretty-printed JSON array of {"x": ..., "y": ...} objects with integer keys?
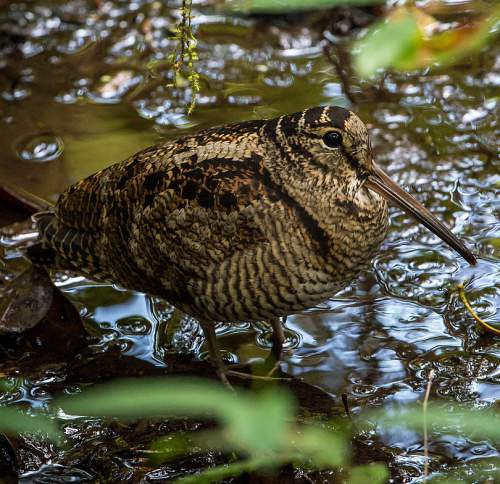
[{"x": 334, "y": 141}]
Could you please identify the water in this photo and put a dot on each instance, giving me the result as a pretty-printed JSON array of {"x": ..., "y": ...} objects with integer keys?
[{"x": 83, "y": 87}]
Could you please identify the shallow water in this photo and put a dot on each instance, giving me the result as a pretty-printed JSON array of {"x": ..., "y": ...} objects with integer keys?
[{"x": 82, "y": 87}]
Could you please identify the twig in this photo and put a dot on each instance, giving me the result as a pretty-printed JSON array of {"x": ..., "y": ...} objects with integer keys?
[
  {"x": 185, "y": 55},
  {"x": 348, "y": 413},
  {"x": 426, "y": 436},
  {"x": 481, "y": 322},
  {"x": 343, "y": 75},
  {"x": 346, "y": 405}
]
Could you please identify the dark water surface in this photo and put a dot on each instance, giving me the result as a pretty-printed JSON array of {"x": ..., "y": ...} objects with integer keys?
[{"x": 82, "y": 87}]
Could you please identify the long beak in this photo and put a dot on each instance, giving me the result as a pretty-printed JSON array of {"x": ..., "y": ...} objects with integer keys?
[{"x": 379, "y": 182}]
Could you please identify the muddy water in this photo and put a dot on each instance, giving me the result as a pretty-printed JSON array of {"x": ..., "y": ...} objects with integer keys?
[{"x": 84, "y": 84}]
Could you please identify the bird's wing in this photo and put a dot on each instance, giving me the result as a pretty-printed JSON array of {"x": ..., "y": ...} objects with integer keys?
[{"x": 173, "y": 207}]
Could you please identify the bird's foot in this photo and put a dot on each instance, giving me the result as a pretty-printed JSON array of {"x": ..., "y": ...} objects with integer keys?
[
  {"x": 274, "y": 368},
  {"x": 251, "y": 376},
  {"x": 273, "y": 361},
  {"x": 223, "y": 372}
]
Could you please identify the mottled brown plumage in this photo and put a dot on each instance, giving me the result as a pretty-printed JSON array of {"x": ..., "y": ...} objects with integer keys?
[{"x": 244, "y": 222}]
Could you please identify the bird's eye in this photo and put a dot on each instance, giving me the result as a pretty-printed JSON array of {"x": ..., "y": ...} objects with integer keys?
[{"x": 332, "y": 139}]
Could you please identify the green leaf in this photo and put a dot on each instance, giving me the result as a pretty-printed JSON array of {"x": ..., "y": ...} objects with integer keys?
[
  {"x": 13, "y": 421},
  {"x": 229, "y": 470},
  {"x": 153, "y": 397},
  {"x": 254, "y": 422},
  {"x": 286, "y": 6},
  {"x": 480, "y": 423},
  {"x": 325, "y": 448},
  {"x": 376, "y": 473},
  {"x": 389, "y": 43},
  {"x": 260, "y": 424},
  {"x": 464, "y": 40},
  {"x": 169, "y": 447}
]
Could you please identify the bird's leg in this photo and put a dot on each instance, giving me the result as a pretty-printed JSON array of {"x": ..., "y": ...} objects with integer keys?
[
  {"x": 278, "y": 338},
  {"x": 208, "y": 328}
]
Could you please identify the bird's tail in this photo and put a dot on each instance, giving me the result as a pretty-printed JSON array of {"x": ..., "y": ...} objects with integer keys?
[
  {"x": 41, "y": 212},
  {"x": 41, "y": 253},
  {"x": 25, "y": 300}
]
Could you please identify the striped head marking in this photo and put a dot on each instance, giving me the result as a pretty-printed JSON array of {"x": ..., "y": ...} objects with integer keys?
[{"x": 331, "y": 138}]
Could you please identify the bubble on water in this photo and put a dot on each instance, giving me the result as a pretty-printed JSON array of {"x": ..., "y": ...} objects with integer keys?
[
  {"x": 31, "y": 49},
  {"x": 227, "y": 357},
  {"x": 81, "y": 40},
  {"x": 17, "y": 94},
  {"x": 264, "y": 338},
  {"x": 363, "y": 390},
  {"x": 244, "y": 100},
  {"x": 134, "y": 325},
  {"x": 39, "y": 147}
]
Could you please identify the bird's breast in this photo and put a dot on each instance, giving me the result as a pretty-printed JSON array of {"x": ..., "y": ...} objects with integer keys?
[{"x": 356, "y": 228}]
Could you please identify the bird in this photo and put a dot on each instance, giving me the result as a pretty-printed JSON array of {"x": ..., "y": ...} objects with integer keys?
[{"x": 243, "y": 222}]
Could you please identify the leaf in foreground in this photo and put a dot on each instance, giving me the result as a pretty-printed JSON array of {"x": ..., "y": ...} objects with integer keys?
[
  {"x": 13, "y": 421},
  {"x": 287, "y": 6},
  {"x": 411, "y": 39},
  {"x": 390, "y": 42},
  {"x": 375, "y": 473},
  {"x": 481, "y": 423}
]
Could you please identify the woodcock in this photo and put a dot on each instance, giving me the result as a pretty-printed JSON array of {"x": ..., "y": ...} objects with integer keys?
[{"x": 244, "y": 222}]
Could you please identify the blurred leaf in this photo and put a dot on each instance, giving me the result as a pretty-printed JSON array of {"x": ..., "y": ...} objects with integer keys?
[
  {"x": 450, "y": 46},
  {"x": 376, "y": 473},
  {"x": 261, "y": 423},
  {"x": 487, "y": 471},
  {"x": 407, "y": 39},
  {"x": 13, "y": 421},
  {"x": 153, "y": 397},
  {"x": 286, "y": 6},
  {"x": 325, "y": 448},
  {"x": 254, "y": 423},
  {"x": 169, "y": 447},
  {"x": 391, "y": 42},
  {"x": 484, "y": 423},
  {"x": 228, "y": 470},
  {"x": 442, "y": 480}
]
